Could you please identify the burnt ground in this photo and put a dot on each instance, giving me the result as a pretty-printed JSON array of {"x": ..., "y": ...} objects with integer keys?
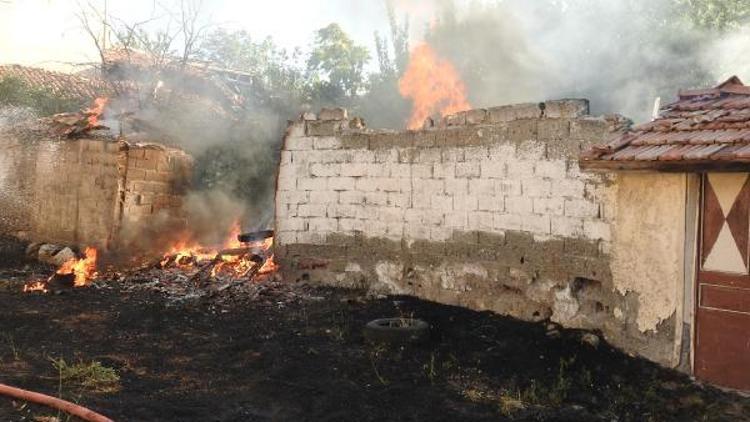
[{"x": 297, "y": 353}]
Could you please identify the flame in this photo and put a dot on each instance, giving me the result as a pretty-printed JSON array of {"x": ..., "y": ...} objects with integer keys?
[
  {"x": 36, "y": 286},
  {"x": 232, "y": 259},
  {"x": 96, "y": 110},
  {"x": 433, "y": 84},
  {"x": 84, "y": 268}
]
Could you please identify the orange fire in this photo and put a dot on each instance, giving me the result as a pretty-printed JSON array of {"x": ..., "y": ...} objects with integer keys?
[
  {"x": 231, "y": 259},
  {"x": 433, "y": 84},
  {"x": 96, "y": 110},
  {"x": 84, "y": 270}
]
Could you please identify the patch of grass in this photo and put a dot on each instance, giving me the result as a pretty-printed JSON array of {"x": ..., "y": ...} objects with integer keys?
[
  {"x": 13, "y": 347},
  {"x": 430, "y": 369},
  {"x": 93, "y": 375}
]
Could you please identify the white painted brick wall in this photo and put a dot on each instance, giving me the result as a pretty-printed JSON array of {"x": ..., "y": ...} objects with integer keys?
[{"x": 428, "y": 193}]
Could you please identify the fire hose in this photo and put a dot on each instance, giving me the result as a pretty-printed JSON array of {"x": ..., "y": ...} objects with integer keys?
[{"x": 45, "y": 400}]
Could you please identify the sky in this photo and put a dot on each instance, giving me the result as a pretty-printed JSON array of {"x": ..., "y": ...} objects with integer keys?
[{"x": 46, "y": 33}]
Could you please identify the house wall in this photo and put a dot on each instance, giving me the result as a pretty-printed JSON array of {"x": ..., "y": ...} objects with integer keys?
[
  {"x": 488, "y": 211},
  {"x": 80, "y": 191}
]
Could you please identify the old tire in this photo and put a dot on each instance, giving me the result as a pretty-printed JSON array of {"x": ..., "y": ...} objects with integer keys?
[{"x": 397, "y": 330}]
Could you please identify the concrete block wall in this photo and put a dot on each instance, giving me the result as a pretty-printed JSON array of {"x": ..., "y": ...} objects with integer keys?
[{"x": 485, "y": 209}]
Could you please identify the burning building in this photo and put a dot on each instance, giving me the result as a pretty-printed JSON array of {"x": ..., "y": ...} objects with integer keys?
[{"x": 498, "y": 209}]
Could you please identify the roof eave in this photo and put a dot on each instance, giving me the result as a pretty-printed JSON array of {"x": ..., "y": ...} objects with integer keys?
[{"x": 676, "y": 166}]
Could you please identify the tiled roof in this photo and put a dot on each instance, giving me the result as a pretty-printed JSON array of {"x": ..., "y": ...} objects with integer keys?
[
  {"x": 61, "y": 84},
  {"x": 706, "y": 129}
]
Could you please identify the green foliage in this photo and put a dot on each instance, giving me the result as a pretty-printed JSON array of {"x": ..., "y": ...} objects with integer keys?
[
  {"x": 14, "y": 91},
  {"x": 336, "y": 65},
  {"x": 718, "y": 15},
  {"x": 92, "y": 375}
]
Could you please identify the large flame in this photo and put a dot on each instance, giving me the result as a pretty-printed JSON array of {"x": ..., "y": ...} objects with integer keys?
[{"x": 433, "y": 84}]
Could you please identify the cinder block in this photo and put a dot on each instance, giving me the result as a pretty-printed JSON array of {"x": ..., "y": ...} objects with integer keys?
[
  {"x": 568, "y": 188},
  {"x": 353, "y": 170},
  {"x": 422, "y": 171},
  {"x": 536, "y": 224},
  {"x": 456, "y": 220},
  {"x": 292, "y": 197},
  {"x": 325, "y": 170},
  {"x": 536, "y": 188},
  {"x": 466, "y": 202},
  {"x": 399, "y": 200},
  {"x": 519, "y": 205},
  {"x": 555, "y": 169},
  {"x": 508, "y": 187},
  {"x": 311, "y": 210},
  {"x": 318, "y": 224},
  {"x": 566, "y": 108},
  {"x": 399, "y": 170},
  {"x": 292, "y": 224},
  {"x": 352, "y": 197},
  {"x": 344, "y": 211},
  {"x": 298, "y": 144},
  {"x": 481, "y": 220},
  {"x": 376, "y": 198},
  {"x": 509, "y": 113},
  {"x": 285, "y": 238},
  {"x": 596, "y": 230},
  {"x": 428, "y": 156},
  {"x": 484, "y": 187},
  {"x": 457, "y": 187},
  {"x": 492, "y": 169},
  {"x": 390, "y": 215},
  {"x": 490, "y": 203},
  {"x": 549, "y": 206},
  {"x": 442, "y": 203},
  {"x": 312, "y": 183},
  {"x": 341, "y": 183},
  {"x": 350, "y": 225},
  {"x": 567, "y": 226},
  {"x": 324, "y": 197},
  {"x": 440, "y": 234},
  {"x": 323, "y": 127},
  {"x": 476, "y": 153},
  {"x": 467, "y": 169},
  {"x": 363, "y": 156},
  {"x": 327, "y": 142},
  {"x": 518, "y": 169},
  {"x": 581, "y": 208},
  {"x": 506, "y": 221},
  {"x": 444, "y": 170}
]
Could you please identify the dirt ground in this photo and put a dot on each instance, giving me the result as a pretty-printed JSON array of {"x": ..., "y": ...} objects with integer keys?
[{"x": 297, "y": 353}]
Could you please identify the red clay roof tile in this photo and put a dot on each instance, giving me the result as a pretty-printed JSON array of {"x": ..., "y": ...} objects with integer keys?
[{"x": 702, "y": 125}]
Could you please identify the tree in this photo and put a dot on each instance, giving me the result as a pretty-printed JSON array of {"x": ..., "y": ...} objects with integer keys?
[
  {"x": 336, "y": 65},
  {"x": 718, "y": 15},
  {"x": 16, "y": 92}
]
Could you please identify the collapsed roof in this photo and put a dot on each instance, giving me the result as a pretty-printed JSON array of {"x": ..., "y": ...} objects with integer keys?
[{"x": 705, "y": 129}]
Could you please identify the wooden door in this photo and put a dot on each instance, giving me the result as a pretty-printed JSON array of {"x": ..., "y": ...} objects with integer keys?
[{"x": 722, "y": 332}]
